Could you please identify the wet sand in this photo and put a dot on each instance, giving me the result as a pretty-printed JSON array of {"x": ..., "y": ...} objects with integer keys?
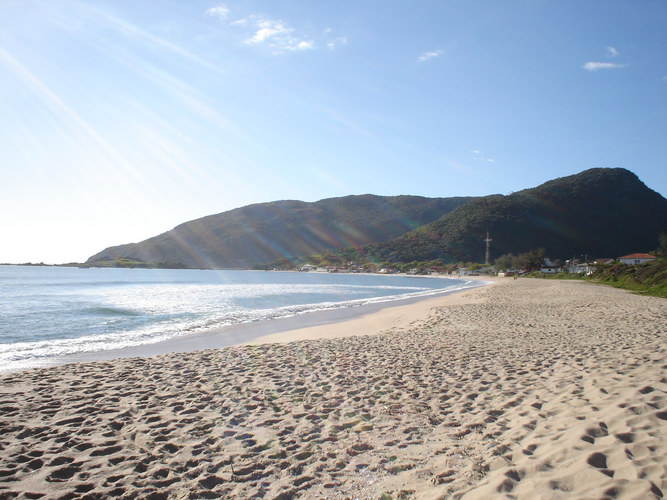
[{"x": 523, "y": 389}]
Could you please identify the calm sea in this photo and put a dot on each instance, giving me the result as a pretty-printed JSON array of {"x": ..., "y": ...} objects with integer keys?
[{"x": 49, "y": 312}]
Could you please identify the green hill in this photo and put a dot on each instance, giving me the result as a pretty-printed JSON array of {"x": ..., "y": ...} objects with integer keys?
[
  {"x": 600, "y": 212},
  {"x": 649, "y": 278},
  {"x": 263, "y": 233}
]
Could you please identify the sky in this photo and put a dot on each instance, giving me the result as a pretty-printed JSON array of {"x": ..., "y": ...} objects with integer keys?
[{"x": 122, "y": 119}]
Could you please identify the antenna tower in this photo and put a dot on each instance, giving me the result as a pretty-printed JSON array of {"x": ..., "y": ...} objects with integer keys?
[{"x": 487, "y": 257}]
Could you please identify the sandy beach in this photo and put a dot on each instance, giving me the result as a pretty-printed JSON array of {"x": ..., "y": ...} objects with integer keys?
[{"x": 522, "y": 389}]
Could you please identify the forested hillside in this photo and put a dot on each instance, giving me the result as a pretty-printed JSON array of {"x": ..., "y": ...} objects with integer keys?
[
  {"x": 259, "y": 234},
  {"x": 599, "y": 212}
]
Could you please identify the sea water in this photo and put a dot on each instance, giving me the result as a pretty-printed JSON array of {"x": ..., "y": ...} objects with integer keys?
[{"x": 49, "y": 312}]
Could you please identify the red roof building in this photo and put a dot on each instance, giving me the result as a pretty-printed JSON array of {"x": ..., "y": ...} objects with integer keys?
[{"x": 636, "y": 258}]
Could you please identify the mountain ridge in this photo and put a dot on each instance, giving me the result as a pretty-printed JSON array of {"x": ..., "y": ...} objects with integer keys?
[
  {"x": 264, "y": 232},
  {"x": 601, "y": 211}
]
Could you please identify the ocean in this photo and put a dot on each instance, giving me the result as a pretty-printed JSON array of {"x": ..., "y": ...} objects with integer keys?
[{"x": 55, "y": 312}]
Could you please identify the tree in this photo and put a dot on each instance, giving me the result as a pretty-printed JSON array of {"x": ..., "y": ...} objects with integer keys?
[
  {"x": 505, "y": 262},
  {"x": 531, "y": 260},
  {"x": 662, "y": 249}
]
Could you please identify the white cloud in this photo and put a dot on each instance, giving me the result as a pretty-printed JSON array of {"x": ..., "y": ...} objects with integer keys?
[
  {"x": 478, "y": 155},
  {"x": 594, "y": 66},
  {"x": 266, "y": 30},
  {"x": 274, "y": 34},
  {"x": 220, "y": 12},
  {"x": 341, "y": 40},
  {"x": 426, "y": 56}
]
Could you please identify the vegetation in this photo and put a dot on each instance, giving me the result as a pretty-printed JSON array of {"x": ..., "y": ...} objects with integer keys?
[
  {"x": 601, "y": 212},
  {"x": 257, "y": 235},
  {"x": 130, "y": 263},
  {"x": 649, "y": 278},
  {"x": 646, "y": 279},
  {"x": 530, "y": 261}
]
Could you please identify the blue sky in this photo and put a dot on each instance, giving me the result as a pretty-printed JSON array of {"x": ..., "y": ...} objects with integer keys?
[{"x": 121, "y": 119}]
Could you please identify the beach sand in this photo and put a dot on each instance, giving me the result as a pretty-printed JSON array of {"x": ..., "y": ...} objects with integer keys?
[{"x": 523, "y": 389}]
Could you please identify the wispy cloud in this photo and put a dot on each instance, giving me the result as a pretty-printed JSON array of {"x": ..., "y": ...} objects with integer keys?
[
  {"x": 276, "y": 35},
  {"x": 478, "y": 155},
  {"x": 273, "y": 34},
  {"x": 432, "y": 54},
  {"x": 220, "y": 12},
  {"x": 336, "y": 42},
  {"x": 595, "y": 66},
  {"x": 267, "y": 29},
  {"x": 611, "y": 53}
]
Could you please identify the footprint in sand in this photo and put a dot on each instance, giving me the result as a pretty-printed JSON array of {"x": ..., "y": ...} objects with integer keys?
[{"x": 599, "y": 461}]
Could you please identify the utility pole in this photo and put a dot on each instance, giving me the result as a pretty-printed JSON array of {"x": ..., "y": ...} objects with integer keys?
[{"x": 487, "y": 258}]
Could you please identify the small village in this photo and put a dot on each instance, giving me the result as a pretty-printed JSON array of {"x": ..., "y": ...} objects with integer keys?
[
  {"x": 580, "y": 266},
  {"x": 638, "y": 271}
]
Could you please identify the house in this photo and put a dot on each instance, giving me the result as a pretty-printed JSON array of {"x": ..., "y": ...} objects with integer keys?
[
  {"x": 582, "y": 268},
  {"x": 551, "y": 269},
  {"x": 636, "y": 258}
]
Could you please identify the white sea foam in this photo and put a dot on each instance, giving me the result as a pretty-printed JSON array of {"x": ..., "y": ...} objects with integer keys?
[{"x": 55, "y": 312}]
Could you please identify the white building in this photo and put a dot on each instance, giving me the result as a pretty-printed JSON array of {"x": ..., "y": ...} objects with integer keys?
[{"x": 636, "y": 258}]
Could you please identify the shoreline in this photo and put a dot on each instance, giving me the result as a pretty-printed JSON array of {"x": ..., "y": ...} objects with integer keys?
[
  {"x": 304, "y": 326},
  {"x": 375, "y": 321},
  {"x": 527, "y": 388}
]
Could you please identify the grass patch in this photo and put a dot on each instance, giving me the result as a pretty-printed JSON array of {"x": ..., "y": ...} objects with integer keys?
[{"x": 644, "y": 279}]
